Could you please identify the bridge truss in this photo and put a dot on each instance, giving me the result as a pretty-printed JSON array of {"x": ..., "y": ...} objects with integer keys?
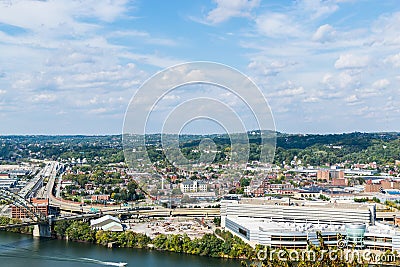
[{"x": 31, "y": 211}]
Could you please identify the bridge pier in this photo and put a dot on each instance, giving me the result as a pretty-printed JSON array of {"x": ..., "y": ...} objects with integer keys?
[{"x": 42, "y": 230}]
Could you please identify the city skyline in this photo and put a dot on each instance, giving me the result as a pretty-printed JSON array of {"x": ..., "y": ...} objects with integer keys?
[{"x": 71, "y": 67}]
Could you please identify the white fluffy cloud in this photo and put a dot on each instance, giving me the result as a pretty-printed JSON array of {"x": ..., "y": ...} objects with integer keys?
[
  {"x": 266, "y": 67},
  {"x": 348, "y": 61},
  {"x": 386, "y": 29},
  {"x": 324, "y": 33},
  {"x": 393, "y": 60},
  {"x": 287, "y": 89},
  {"x": 227, "y": 9},
  {"x": 318, "y": 8},
  {"x": 352, "y": 99},
  {"x": 61, "y": 17},
  {"x": 382, "y": 83},
  {"x": 44, "y": 98},
  {"x": 278, "y": 25}
]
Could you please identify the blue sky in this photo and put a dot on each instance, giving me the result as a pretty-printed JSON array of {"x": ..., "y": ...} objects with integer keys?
[{"x": 71, "y": 67}]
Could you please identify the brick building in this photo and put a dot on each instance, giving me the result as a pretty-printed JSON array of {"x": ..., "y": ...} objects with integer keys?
[
  {"x": 266, "y": 187},
  {"x": 323, "y": 175},
  {"x": 382, "y": 185},
  {"x": 370, "y": 188},
  {"x": 339, "y": 182},
  {"x": 328, "y": 175},
  {"x": 388, "y": 184},
  {"x": 40, "y": 205}
]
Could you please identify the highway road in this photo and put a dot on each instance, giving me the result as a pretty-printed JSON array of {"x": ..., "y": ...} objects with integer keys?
[
  {"x": 36, "y": 183},
  {"x": 63, "y": 204}
]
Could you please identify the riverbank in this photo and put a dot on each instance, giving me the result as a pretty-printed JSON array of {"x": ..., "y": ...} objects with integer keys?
[
  {"x": 225, "y": 245},
  {"x": 22, "y": 230}
]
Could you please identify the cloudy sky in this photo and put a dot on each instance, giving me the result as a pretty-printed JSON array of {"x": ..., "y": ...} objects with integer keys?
[{"x": 71, "y": 67}]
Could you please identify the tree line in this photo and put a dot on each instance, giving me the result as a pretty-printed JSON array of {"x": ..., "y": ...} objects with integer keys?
[{"x": 221, "y": 244}]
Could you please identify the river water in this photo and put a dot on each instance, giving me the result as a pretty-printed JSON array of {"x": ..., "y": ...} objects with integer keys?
[{"x": 18, "y": 250}]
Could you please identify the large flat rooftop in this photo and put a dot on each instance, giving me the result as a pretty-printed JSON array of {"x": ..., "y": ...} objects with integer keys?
[{"x": 303, "y": 203}]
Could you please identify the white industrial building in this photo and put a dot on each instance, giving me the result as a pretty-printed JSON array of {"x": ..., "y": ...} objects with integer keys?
[
  {"x": 294, "y": 225},
  {"x": 305, "y": 211},
  {"x": 107, "y": 223}
]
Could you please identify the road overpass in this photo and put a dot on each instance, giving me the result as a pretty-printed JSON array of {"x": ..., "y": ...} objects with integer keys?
[{"x": 163, "y": 212}]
